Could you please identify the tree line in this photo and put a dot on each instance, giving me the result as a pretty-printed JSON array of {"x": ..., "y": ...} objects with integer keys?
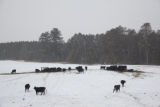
[{"x": 119, "y": 45}]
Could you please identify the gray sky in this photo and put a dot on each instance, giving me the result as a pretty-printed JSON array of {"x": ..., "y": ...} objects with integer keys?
[{"x": 27, "y": 19}]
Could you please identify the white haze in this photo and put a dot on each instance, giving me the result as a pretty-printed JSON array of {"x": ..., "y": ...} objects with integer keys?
[{"x": 27, "y": 19}]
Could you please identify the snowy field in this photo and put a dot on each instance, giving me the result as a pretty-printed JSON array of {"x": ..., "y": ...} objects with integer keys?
[{"x": 94, "y": 88}]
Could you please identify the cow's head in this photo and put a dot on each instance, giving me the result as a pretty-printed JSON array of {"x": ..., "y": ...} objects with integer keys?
[{"x": 35, "y": 87}]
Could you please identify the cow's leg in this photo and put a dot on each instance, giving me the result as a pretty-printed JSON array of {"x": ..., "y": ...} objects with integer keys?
[
  {"x": 113, "y": 90},
  {"x": 116, "y": 90}
]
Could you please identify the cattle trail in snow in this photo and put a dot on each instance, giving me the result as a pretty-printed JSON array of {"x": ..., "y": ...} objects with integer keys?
[{"x": 136, "y": 99}]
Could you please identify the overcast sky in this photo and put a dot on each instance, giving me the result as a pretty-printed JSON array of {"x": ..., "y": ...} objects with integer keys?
[{"x": 27, "y": 19}]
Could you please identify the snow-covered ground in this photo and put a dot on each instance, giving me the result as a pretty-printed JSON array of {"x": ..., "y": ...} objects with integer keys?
[{"x": 94, "y": 88}]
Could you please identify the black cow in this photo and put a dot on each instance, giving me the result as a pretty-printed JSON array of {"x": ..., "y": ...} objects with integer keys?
[
  {"x": 122, "y": 68},
  {"x": 59, "y": 69},
  {"x": 54, "y": 69},
  {"x": 69, "y": 68},
  {"x": 64, "y": 69},
  {"x": 86, "y": 68},
  {"x": 122, "y": 82},
  {"x": 13, "y": 71},
  {"x": 103, "y": 67},
  {"x": 27, "y": 86},
  {"x": 116, "y": 88},
  {"x": 112, "y": 68},
  {"x": 79, "y": 69},
  {"x": 45, "y": 69},
  {"x": 40, "y": 90},
  {"x": 37, "y": 70}
]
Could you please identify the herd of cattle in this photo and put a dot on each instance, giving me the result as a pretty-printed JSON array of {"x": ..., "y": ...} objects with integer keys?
[
  {"x": 114, "y": 68},
  {"x": 54, "y": 69},
  {"x": 80, "y": 69},
  {"x": 59, "y": 69},
  {"x": 42, "y": 90},
  {"x": 120, "y": 68}
]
